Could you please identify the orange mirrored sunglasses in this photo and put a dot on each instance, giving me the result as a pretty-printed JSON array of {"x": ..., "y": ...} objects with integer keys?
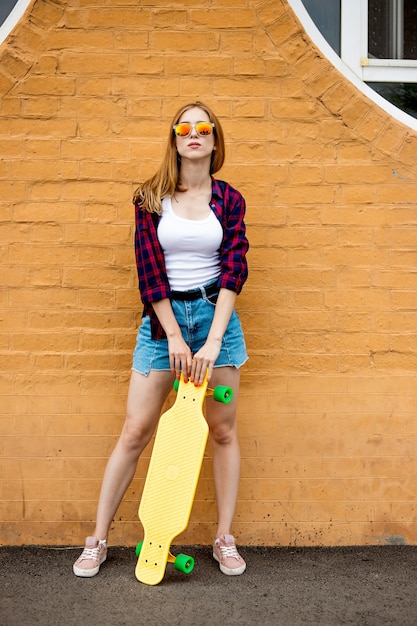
[{"x": 203, "y": 129}]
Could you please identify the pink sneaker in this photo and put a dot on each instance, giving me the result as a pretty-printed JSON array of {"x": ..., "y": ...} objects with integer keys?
[
  {"x": 226, "y": 554},
  {"x": 94, "y": 554}
]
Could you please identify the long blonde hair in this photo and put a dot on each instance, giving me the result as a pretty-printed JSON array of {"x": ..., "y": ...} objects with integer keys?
[{"x": 167, "y": 179}]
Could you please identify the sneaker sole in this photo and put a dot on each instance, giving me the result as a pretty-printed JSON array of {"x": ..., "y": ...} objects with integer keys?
[
  {"x": 87, "y": 573},
  {"x": 226, "y": 570}
]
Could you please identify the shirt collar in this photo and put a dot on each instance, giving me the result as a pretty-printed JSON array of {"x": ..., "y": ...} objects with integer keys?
[{"x": 216, "y": 189}]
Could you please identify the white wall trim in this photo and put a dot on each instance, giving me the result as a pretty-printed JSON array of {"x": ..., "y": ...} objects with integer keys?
[
  {"x": 14, "y": 16},
  {"x": 316, "y": 36}
]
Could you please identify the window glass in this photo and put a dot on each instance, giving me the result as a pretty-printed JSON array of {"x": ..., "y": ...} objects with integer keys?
[
  {"x": 392, "y": 29},
  {"x": 5, "y": 7},
  {"x": 326, "y": 16},
  {"x": 403, "y": 95},
  {"x": 380, "y": 41},
  {"x": 410, "y": 29}
]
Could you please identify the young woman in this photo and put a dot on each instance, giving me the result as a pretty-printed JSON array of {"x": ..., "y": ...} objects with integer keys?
[{"x": 191, "y": 249}]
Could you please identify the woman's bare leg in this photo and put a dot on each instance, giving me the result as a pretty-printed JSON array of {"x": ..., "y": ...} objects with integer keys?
[
  {"x": 144, "y": 403},
  {"x": 226, "y": 452}
]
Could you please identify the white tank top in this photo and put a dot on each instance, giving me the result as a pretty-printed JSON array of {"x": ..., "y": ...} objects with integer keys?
[{"x": 191, "y": 248}]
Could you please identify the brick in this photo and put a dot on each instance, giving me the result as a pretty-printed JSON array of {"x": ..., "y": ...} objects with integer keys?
[
  {"x": 390, "y": 139},
  {"x": 208, "y": 66},
  {"x": 69, "y": 62},
  {"x": 99, "y": 171},
  {"x": 99, "y": 86},
  {"x": 307, "y": 194},
  {"x": 270, "y": 11},
  {"x": 40, "y": 107},
  {"x": 249, "y": 66},
  {"x": 52, "y": 297},
  {"x": 35, "y": 170},
  {"x": 46, "y": 212},
  {"x": 92, "y": 190},
  {"x": 4, "y": 170},
  {"x": 40, "y": 128},
  {"x": 11, "y": 148},
  {"x": 362, "y": 194},
  {"x": 373, "y": 124},
  {"x": 45, "y": 85},
  {"x": 86, "y": 39},
  {"x": 89, "y": 277},
  {"x": 230, "y": 41},
  {"x": 222, "y": 18},
  {"x": 15, "y": 64},
  {"x": 167, "y": 18},
  {"x": 283, "y": 29},
  {"x": 126, "y": 39},
  {"x": 9, "y": 107},
  {"x": 6, "y": 82},
  {"x": 306, "y": 174},
  {"x": 407, "y": 152},
  {"x": 101, "y": 107},
  {"x": 356, "y": 111},
  {"x": 249, "y": 152},
  {"x": 338, "y": 96},
  {"x": 11, "y": 191},
  {"x": 183, "y": 41},
  {"x": 42, "y": 148},
  {"x": 112, "y": 18},
  {"x": 357, "y": 173},
  {"x": 145, "y": 86},
  {"x": 399, "y": 193}
]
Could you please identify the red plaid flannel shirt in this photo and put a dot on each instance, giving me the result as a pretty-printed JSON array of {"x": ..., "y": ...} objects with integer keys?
[{"x": 229, "y": 207}]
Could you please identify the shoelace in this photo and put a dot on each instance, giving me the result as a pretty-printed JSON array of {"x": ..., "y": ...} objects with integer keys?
[
  {"x": 229, "y": 552},
  {"x": 90, "y": 553}
]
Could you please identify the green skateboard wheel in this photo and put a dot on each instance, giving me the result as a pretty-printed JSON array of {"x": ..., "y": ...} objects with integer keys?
[
  {"x": 184, "y": 563},
  {"x": 223, "y": 394}
]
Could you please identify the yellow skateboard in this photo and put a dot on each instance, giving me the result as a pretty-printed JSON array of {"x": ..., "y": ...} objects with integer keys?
[{"x": 172, "y": 479}]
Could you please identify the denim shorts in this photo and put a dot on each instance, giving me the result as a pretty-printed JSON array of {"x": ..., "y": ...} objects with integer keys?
[{"x": 194, "y": 318}]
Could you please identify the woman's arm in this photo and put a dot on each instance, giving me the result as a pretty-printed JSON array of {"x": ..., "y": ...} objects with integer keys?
[{"x": 207, "y": 355}]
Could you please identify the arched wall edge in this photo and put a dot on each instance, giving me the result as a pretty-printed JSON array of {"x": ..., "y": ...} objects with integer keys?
[{"x": 317, "y": 38}]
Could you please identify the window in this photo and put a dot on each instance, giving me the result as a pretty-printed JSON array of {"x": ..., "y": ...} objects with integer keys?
[{"x": 378, "y": 47}]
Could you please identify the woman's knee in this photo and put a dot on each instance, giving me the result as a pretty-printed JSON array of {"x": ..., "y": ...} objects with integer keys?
[
  {"x": 223, "y": 433},
  {"x": 144, "y": 403},
  {"x": 136, "y": 435}
]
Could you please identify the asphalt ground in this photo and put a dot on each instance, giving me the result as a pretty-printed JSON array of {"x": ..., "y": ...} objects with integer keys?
[{"x": 362, "y": 586}]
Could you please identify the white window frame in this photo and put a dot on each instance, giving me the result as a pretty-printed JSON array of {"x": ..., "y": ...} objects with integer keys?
[
  {"x": 14, "y": 16},
  {"x": 355, "y": 58},
  {"x": 354, "y": 49}
]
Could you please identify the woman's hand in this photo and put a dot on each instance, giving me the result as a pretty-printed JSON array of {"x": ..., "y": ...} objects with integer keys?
[
  {"x": 180, "y": 357},
  {"x": 205, "y": 359}
]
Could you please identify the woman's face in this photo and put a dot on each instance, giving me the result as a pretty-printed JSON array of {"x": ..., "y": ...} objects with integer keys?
[{"x": 195, "y": 145}]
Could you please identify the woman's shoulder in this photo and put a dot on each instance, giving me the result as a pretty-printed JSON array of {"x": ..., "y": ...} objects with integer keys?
[
  {"x": 222, "y": 187},
  {"x": 146, "y": 218}
]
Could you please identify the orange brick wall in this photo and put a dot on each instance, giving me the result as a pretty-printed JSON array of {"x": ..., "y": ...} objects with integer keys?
[{"x": 328, "y": 402}]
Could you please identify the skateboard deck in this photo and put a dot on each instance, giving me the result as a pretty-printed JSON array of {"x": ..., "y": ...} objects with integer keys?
[{"x": 171, "y": 481}]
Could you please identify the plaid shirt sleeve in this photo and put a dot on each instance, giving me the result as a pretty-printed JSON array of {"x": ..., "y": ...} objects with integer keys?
[
  {"x": 150, "y": 262},
  {"x": 229, "y": 206}
]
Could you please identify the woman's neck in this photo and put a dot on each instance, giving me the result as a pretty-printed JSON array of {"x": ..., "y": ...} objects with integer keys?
[{"x": 195, "y": 178}]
